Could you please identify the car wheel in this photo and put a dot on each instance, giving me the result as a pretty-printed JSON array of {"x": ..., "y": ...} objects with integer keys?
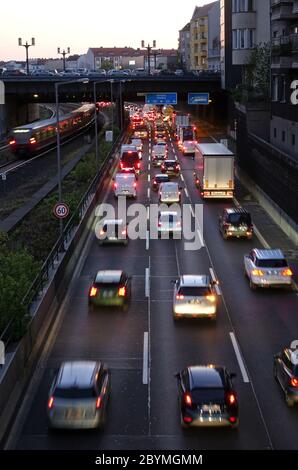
[
  {"x": 289, "y": 401},
  {"x": 252, "y": 285}
]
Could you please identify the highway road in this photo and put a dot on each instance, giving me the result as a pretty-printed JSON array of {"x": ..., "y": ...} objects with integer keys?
[{"x": 141, "y": 415}]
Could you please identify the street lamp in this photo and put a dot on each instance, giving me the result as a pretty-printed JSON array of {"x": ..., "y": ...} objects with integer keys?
[
  {"x": 27, "y": 47},
  {"x": 112, "y": 109},
  {"x": 57, "y": 84},
  {"x": 63, "y": 53},
  {"x": 149, "y": 49}
]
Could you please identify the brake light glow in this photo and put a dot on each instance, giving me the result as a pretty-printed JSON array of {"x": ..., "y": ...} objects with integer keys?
[
  {"x": 232, "y": 419},
  {"x": 32, "y": 140},
  {"x": 138, "y": 165},
  {"x": 211, "y": 298},
  {"x": 121, "y": 292},
  {"x": 93, "y": 291},
  {"x": 187, "y": 419},
  {"x": 123, "y": 232},
  {"x": 98, "y": 403},
  {"x": 135, "y": 185},
  {"x": 187, "y": 399},
  {"x": 12, "y": 142},
  {"x": 115, "y": 185},
  {"x": 179, "y": 297},
  {"x": 294, "y": 382},
  {"x": 101, "y": 232},
  {"x": 257, "y": 272},
  {"x": 51, "y": 403},
  {"x": 231, "y": 398},
  {"x": 287, "y": 272}
]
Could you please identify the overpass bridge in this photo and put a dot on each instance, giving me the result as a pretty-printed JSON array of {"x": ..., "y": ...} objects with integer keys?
[{"x": 23, "y": 93}]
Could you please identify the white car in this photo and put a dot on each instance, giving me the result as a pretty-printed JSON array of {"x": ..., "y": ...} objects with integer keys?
[
  {"x": 265, "y": 268},
  {"x": 112, "y": 231},
  {"x": 194, "y": 296},
  {"x": 169, "y": 193},
  {"x": 169, "y": 223},
  {"x": 125, "y": 184}
]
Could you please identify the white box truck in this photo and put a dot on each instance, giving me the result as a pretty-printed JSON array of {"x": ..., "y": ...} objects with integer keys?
[{"x": 214, "y": 176}]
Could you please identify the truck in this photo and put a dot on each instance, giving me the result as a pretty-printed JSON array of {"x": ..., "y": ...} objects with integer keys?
[{"x": 214, "y": 176}]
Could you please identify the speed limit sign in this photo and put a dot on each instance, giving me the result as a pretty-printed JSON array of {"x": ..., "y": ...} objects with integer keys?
[{"x": 61, "y": 210}]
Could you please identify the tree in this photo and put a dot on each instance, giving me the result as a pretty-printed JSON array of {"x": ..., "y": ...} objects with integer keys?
[{"x": 257, "y": 71}]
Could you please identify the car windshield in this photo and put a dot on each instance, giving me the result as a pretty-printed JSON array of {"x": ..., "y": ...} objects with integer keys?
[
  {"x": 271, "y": 263},
  {"x": 239, "y": 219},
  {"x": 74, "y": 392},
  {"x": 160, "y": 179},
  {"x": 208, "y": 395},
  {"x": 107, "y": 285},
  {"x": 194, "y": 291}
]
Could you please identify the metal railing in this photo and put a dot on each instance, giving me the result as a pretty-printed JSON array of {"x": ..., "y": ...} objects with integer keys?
[{"x": 43, "y": 276}]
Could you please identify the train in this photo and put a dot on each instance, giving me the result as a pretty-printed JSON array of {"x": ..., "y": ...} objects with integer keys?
[{"x": 39, "y": 135}]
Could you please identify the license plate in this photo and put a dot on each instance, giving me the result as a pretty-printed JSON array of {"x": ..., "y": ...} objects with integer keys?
[
  {"x": 74, "y": 414},
  {"x": 210, "y": 408},
  {"x": 170, "y": 168},
  {"x": 195, "y": 301}
]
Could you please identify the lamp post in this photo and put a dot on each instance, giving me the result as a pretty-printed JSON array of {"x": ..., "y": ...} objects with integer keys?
[
  {"x": 149, "y": 49},
  {"x": 57, "y": 84},
  {"x": 112, "y": 109},
  {"x": 63, "y": 53},
  {"x": 27, "y": 47}
]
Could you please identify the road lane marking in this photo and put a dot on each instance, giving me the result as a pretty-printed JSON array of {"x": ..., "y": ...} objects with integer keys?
[
  {"x": 149, "y": 166},
  {"x": 148, "y": 193},
  {"x": 214, "y": 278},
  {"x": 239, "y": 358},
  {"x": 146, "y": 358},
  {"x": 147, "y": 240},
  {"x": 182, "y": 177},
  {"x": 148, "y": 210},
  {"x": 149, "y": 178},
  {"x": 200, "y": 237},
  {"x": 147, "y": 282},
  {"x": 191, "y": 210},
  {"x": 186, "y": 192}
]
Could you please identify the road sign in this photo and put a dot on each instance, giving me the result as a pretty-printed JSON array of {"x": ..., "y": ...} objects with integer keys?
[
  {"x": 61, "y": 210},
  {"x": 198, "y": 98},
  {"x": 109, "y": 136},
  {"x": 2, "y": 92},
  {"x": 161, "y": 98}
]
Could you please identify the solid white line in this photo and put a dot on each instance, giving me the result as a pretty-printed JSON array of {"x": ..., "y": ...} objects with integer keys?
[
  {"x": 186, "y": 192},
  {"x": 200, "y": 237},
  {"x": 213, "y": 277},
  {"x": 191, "y": 210},
  {"x": 182, "y": 177},
  {"x": 148, "y": 193},
  {"x": 147, "y": 240},
  {"x": 145, "y": 358},
  {"x": 239, "y": 358},
  {"x": 147, "y": 282}
]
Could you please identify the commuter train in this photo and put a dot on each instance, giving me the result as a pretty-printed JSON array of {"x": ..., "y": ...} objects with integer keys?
[{"x": 39, "y": 135}]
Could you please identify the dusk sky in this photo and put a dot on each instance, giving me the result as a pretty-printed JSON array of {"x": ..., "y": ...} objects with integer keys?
[{"x": 90, "y": 24}]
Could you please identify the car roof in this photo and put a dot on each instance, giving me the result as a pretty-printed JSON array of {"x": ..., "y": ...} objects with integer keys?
[
  {"x": 125, "y": 175},
  {"x": 195, "y": 280},
  {"x": 108, "y": 276},
  {"x": 269, "y": 254},
  {"x": 206, "y": 376},
  {"x": 236, "y": 210},
  {"x": 77, "y": 374}
]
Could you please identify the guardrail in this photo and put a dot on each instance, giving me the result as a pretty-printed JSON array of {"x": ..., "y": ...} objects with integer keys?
[{"x": 43, "y": 277}]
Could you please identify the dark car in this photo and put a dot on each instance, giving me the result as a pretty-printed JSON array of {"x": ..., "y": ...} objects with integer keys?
[
  {"x": 170, "y": 167},
  {"x": 110, "y": 288},
  {"x": 207, "y": 397},
  {"x": 159, "y": 179},
  {"x": 286, "y": 373},
  {"x": 235, "y": 222}
]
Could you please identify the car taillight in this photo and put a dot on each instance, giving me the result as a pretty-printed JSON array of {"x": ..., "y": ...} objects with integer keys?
[
  {"x": 51, "y": 403},
  {"x": 121, "y": 292},
  {"x": 115, "y": 185},
  {"x": 232, "y": 419},
  {"x": 121, "y": 165},
  {"x": 187, "y": 399},
  {"x": 12, "y": 142},
  {"x": 210, "y": 297},
  {"x": 101, "y": 232},
  {"x": 257, "y": 272},
  {"x": 179, "y": 297},
  {"x": 98, "y": 403},
  {"x": 287, "y": 272},
  {"x": 32, "y": 140},
  {"x": 231, "y": 398},
  {"x": 135, "y": 185},
  {"x": 294, "y": 382},
  {"x": 93, "y": 291},
  {"x": 139, "y": 165},
  {"x": 187, "y": 419}
]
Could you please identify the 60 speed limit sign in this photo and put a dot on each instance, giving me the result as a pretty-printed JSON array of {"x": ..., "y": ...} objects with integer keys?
[{"x": 61, "y": 210}]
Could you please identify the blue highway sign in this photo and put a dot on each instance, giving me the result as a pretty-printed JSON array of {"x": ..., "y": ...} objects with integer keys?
[
  {"x": 198, "y": 98},
  {"x": 161, "y": 98}
]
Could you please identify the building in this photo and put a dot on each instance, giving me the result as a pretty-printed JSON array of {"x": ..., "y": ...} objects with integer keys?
[
  {"x": 114, "y": 57},
  {"x": 199, "y": 37},
  {"x": 162, "y": 59},
  {"x": 230, "y": 74},
  {"x": 214, "y": 37},
  {"x": 184, "y": 46},
  {"x": 284, "y": 71}
]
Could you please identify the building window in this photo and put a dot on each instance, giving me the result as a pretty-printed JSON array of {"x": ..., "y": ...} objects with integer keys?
[
  {"x": 241, "y": 38},
  {"x": 283, "y": 136},
  {"x": 275, "y": 88},
  {"x": 235, "y": 39},
  {"x": 283, "y": 89},
  {"x": 242, "y": 5},
  {"x": 274, "y": 133},
  {"x": 250, "y": 38},
  {"x": 293, "y": 139}
]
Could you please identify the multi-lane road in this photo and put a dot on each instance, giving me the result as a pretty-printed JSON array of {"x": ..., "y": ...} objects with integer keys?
[{"x": 144, "y": 347}]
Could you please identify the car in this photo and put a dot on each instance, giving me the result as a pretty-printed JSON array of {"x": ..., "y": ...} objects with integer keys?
[
  {"x": 79, "y": 395},
  {"x": 69, "y": 73},
  {"x": 179, "y": 72},
  {"x": 169, "y": 193},
  {"x": 14, "y": 73},
  {"x": 235, "y": 222},
  {"x": 42, "y": 73},
  {"x": 194, "y": 296},
  {"x": 285, "y": 371},
  {"x": 138, "y": 144},
  {"x": 267, "y": 268},
  {"x": 125, "y": 184},
  {"x": 157, "y": 179},
  {"x": 96, "y": 73},
  {"x": 162, "y": 143},
  {"x": 169, "y": 223},
  {"x": 110, "y": 288},
  {"x": 170, "y": 167},
  {"x": 207, "y": 397},
  {"x": 112, "y": 231}
]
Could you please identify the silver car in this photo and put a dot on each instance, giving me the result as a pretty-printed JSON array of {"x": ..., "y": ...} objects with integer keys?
[
  {"x": 194, "y": 296},
  {"x": 112, "y": 231},
  {"x": 169, "y": 193},
  {"x": 79, "y": 395},
  {"x": 265, "y": 268}
]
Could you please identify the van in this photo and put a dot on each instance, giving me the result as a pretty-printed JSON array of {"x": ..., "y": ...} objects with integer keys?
[
  {"x": 169, "y": 193},
  {"x": 125, "y": 184}
]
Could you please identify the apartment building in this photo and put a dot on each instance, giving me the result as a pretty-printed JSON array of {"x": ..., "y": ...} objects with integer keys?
[
  {"x": 199, "y": 37},
  {"x": 184, "y": 46}
]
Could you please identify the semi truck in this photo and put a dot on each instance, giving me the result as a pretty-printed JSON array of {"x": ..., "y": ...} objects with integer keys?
[{"x": 214, "y": 175}]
